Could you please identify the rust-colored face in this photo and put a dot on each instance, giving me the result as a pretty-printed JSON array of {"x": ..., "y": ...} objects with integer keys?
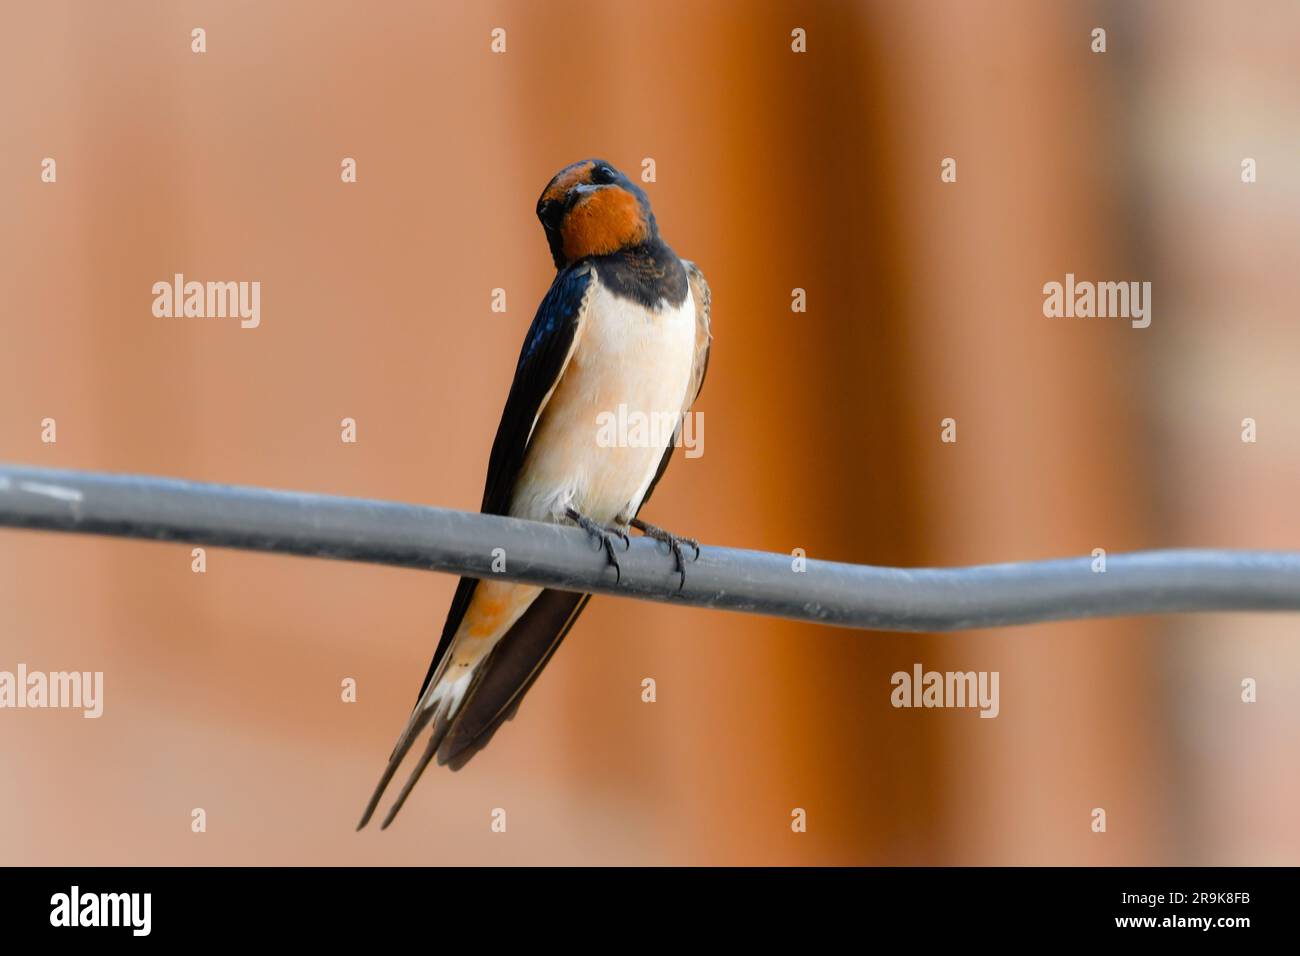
[
  {"x": 557, "y": 190},
  {"x": 591, "y": 209}
]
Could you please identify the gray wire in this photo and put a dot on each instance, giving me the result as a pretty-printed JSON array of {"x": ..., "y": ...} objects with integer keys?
[{"x": 828, "y": 592}]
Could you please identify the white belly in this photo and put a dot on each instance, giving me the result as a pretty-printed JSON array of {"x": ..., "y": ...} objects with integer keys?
[{"x": 601, "y": 436}]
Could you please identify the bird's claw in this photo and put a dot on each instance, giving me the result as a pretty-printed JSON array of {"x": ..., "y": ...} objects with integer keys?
[
  {"x": 605, "y": 536},
  {"x": 674, "y": 542}
]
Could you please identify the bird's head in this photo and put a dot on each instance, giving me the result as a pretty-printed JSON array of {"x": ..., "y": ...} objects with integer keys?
[{"x": 591, "y": 209}]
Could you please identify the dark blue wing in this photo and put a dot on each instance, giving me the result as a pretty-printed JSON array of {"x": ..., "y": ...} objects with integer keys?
[
  {"x": 538, "y": 632},
  {"x": 541, "y": 360}
]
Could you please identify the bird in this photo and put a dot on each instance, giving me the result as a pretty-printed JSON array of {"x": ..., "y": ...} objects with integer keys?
[{"x": 625, "y": 323}]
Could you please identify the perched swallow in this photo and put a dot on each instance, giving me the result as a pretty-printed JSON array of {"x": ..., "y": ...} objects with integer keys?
[{"x": 626, "y": 323}]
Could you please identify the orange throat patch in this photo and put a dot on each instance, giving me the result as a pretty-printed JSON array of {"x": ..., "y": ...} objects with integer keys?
[{"x": 609, "y": 220}]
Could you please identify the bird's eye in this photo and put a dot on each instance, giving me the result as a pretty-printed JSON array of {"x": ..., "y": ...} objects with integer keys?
[
  {"x": 547, "y": 212},
  {"x": 603, "y": 175}
]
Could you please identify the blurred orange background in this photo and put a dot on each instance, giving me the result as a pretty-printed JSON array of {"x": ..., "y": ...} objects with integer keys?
[{"x": 775, "y": 170}]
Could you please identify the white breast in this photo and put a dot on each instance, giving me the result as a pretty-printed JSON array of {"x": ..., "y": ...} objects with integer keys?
[{"x": 600, "y": 438}]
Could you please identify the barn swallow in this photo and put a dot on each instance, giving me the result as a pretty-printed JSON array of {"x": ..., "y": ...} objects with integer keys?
[{"x": 625, "y": 323}]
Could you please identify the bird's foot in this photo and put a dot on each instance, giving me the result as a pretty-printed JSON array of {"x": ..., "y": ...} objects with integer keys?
[
  {"x": 603, "y": 535},
  {"x": 674, "y": 542}
]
